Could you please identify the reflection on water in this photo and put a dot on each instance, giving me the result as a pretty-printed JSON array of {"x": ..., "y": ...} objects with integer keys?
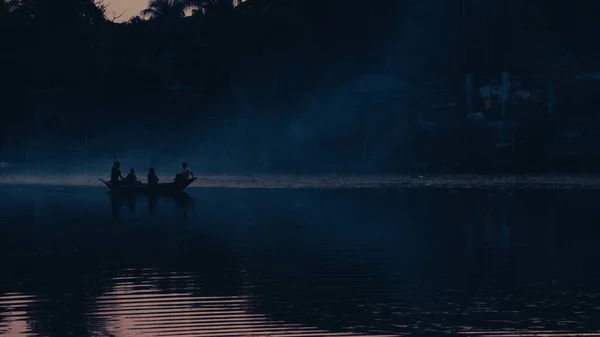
[
  {"x": 183, "y": 203},
  {"x": 77, "y": 262}
]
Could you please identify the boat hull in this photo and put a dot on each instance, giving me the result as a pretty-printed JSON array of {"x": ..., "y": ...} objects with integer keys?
[{"x": 161, "y": 188}]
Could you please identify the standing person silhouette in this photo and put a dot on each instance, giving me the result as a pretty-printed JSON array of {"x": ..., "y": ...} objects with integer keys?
[
  {"x": 115, "y": 173},
  {"x": 152, "y": 177}
]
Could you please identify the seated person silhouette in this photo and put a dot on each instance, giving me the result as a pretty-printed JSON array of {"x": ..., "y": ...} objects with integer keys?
[
  {"x": 186, "y": 174},
  {"x": 131, "y": 179}
]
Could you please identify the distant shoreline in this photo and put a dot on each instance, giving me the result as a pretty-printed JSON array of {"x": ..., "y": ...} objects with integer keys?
[{"x": 329, "y": 181}]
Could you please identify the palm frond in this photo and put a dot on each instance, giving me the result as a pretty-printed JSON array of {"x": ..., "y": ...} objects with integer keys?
[
  {"x": 13, "y": 5},
  {"x": 148, "y": 12},
  {"x": 167, "y": 8}
]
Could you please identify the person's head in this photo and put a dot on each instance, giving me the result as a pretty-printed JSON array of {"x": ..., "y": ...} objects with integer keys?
[
  {"x": 151, "y": 170},
  {"x": 184, "y": 165},
  {"x": 132, "y": 171}
]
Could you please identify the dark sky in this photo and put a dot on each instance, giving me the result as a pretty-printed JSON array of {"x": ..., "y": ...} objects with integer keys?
[{"x": 574, "y": 24}]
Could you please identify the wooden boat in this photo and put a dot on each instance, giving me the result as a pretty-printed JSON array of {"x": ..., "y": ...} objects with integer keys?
[{"x": 161, "y": 188}]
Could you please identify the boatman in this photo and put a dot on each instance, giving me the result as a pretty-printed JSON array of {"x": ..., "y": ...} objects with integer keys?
[
  {"x": 185, "y": 175},
  {"x": 186, "y": 171},
  {"x": 152, "y": 177},
  {"x": 115, "y": 173}
]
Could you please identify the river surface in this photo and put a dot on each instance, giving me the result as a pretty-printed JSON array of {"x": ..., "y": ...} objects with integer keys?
[{"x": 299, "y": 262}]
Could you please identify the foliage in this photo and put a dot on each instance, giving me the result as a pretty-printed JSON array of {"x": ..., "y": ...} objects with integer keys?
[
  {"x": 70, "y": 46},
  {"x": 166, "y": 9},
  {"x": 270, "y": 55}
]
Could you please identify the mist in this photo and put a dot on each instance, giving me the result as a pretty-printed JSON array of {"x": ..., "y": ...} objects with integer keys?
[{"x": 313, "y": 99}]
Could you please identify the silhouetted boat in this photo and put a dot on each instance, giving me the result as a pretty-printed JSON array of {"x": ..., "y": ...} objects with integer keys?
[{"x": 162, "y": 188}]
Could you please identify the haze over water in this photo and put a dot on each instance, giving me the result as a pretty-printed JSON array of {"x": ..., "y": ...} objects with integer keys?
[{"x": 299, "y": 262}]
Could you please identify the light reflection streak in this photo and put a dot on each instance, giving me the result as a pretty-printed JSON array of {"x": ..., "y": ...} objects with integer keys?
[
  {"x": 526, "y": 333},
  {"x": 14, "y": 328},
  {"x": 131, "y": 311},
  {"x": 14, "y": 305}
]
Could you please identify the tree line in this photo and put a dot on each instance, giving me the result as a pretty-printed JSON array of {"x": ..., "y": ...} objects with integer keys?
[
  {"x": 76, "y": 47},
  {"x": 75, "y": 53}
]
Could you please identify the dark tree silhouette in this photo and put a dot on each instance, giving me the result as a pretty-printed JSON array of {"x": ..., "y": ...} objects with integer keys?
[
  {"x": 166, "y": 9},
  {"x": 268, "y": 55}
]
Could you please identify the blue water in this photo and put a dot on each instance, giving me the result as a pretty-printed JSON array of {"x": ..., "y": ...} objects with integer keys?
[{"x": 298, "y": 262}]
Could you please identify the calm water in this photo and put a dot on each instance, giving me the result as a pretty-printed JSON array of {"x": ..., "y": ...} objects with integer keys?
[{"x": 244, "y": 262}]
